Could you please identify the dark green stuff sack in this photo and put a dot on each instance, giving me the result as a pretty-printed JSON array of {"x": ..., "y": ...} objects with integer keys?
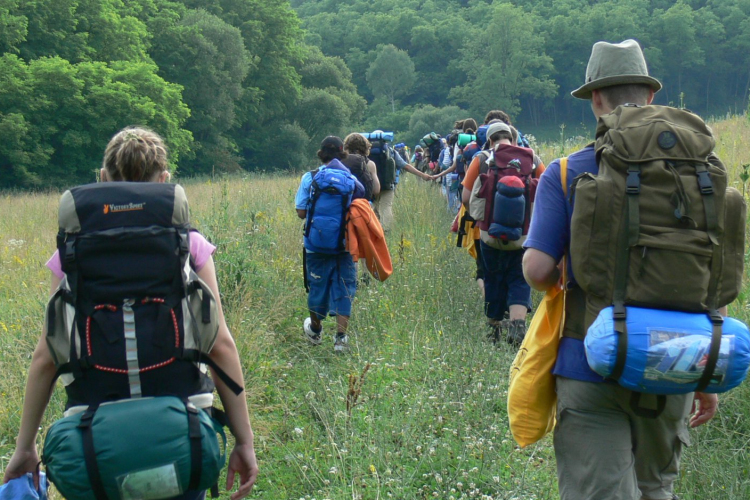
[
  {"x": 657, "y": 227},
  {"x": 141, "y": 450}
]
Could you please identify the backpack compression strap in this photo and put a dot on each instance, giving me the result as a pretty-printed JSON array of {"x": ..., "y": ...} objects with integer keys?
[
  {"x": 629, "y": 237},
  {"x": 89, "y": 453}
]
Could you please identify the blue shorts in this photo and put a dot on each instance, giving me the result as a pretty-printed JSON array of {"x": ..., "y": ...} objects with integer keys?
[
  {"x": 333, "y": 283},
  {"x": 504, "y": 284}
]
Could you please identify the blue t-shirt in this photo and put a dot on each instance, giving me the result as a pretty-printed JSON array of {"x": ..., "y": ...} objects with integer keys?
[
  {"x": 550, "y": 233},
  {"x": 302, "y": 199}
]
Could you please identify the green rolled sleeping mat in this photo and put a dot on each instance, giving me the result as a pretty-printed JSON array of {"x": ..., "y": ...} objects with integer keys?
[{"x": 146, "y": 449}]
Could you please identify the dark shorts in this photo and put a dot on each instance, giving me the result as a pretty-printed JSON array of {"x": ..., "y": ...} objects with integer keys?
[
  {"x": 504, "y": 284},
  {"x": 333, "y": 283},
  {"x": 480, "y": 265}
]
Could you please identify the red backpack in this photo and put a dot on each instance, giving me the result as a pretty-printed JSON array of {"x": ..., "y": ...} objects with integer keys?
[{"x": 487, "y": 205}]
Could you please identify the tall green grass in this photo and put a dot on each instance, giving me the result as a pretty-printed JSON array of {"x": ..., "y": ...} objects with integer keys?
[{"x": 416, "y": 410}]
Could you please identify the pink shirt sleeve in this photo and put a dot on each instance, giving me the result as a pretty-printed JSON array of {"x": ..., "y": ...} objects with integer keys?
[{"x": 200, "y": 250}]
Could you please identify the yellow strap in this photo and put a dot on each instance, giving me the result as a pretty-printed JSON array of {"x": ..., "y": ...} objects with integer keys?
[{"x": 564, "y": 175}]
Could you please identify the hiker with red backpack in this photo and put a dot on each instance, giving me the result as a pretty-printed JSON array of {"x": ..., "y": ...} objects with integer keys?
[
  {"x": 656, "y": 244},
  {"x": 134, "y": 316},
  {"x": 330, "y": 273},
  {"x": 499, "y": 192}
]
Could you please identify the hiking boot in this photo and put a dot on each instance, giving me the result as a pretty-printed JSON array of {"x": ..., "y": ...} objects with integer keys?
[
  {"x": 496, "y": 331},
  {"x": 494, "y": 334},
  {"x": 516, "y": 332},
  {"x": 341, "y": 344},
  {"x": 312, "y": 336}
]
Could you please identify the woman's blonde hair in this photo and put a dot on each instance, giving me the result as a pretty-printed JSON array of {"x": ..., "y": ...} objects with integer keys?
[
  {"x": 135, "y": 154},
  {"x": 357, "y": 144}
]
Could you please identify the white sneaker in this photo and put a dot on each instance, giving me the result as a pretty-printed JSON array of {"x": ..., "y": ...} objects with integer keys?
[
  {"x": 313, "y": 337},
  {"x": 341, "y": 344}
]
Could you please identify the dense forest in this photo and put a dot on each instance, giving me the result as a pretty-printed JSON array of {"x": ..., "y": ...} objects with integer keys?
[{"x": 255, "y": 84}]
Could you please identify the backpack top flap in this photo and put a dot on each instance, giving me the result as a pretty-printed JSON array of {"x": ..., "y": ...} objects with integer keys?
[
  {"x": 648, "y": 133},
  {"x": 508, "y": 158},
  {"x": 124, "y": 239},
  {"x": 107, "y": 205}
]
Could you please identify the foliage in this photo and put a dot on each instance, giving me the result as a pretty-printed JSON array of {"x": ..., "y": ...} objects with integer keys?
[
  {"x": 391, "y": 74},
  {"x": 59, "y": 116},
  {"x": 207, "y": 57},
  {"x": 510, "y": 66},
  {"x": 249, "y": 69},
  {"x": 432, "y": 119}
]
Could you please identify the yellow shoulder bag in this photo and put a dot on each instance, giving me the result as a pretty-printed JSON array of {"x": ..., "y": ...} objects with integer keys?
[{"x": 532, "y": 401}]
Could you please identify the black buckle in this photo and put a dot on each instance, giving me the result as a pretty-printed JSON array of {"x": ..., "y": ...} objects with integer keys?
[
  {"x": 716, "y": 318},
  {"x": 704, "y": 182},
  {"x": 633, "y": 182},
  {"x": 70, "y": 251},
  {"x": 619, "y": 312}
]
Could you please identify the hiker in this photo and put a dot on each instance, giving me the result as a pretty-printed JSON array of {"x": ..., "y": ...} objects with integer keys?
[
  {"x": 357, "y": 148},
  {"x": 389, "y": 165},
  {"x": 418, "y": 159},
  {"x": 604, "y": 448},
  {"x": 467, "y": 126},
  {"x": 139, "y": 156},
  {"x": 323, "y": 200},
  {"x": 505, "y": 290}
]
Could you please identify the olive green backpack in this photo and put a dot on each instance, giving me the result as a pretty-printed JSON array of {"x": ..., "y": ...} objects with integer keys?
[{"x": 657, "y": 227}]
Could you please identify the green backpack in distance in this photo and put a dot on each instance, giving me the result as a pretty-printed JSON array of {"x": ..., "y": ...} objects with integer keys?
[{"x": 657, "y": 227}]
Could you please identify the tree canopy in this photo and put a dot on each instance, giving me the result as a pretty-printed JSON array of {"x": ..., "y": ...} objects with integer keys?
[{"x": 256, "y": 84}]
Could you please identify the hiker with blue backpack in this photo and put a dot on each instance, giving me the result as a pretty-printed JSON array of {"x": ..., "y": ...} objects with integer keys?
[
  {"x": 330, "y": 273},
  {"x": 134, "y": 318}
]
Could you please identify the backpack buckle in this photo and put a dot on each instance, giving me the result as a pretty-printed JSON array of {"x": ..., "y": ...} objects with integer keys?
[
  {"x": 716, "y": 318},
  {"x": 633, "y": 182},
  {"x": 704, "y": 182}
]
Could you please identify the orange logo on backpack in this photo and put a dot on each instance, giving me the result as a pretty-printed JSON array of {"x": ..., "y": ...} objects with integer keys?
[{"x": 130, "y": 207}]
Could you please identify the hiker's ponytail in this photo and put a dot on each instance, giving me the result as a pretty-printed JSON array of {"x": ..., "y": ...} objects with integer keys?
[{"x": 135, "y": 154}]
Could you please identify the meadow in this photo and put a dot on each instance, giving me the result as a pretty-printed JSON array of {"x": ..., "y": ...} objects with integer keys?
[{"x": 417, "y": 409}]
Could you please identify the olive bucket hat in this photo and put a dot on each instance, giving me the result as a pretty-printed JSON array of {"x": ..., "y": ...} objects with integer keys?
[{"x": 615, "y": 64}]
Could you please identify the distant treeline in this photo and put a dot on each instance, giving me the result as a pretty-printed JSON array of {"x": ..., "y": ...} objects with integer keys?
[
  {"x": 256, "y": 84},
  {"x": 525, "y": 56}
]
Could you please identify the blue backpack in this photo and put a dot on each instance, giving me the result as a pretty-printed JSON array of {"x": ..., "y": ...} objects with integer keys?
[
  {"x": 523, "y": 141},
  {"x": 482, "y": 135},
  {"x": 332, "y": 191},
  {"x": 463, "y": 160}
]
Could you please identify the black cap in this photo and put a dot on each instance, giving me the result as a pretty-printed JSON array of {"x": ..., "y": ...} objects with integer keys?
[{"x": 332, "y": 143}]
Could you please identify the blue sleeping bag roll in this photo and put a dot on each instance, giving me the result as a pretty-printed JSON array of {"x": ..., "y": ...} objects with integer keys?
[
  {"x": 667, "y": 351},
  {"x": 509, "y": 209}
]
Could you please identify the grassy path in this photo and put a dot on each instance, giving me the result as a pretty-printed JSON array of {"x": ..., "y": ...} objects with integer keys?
[{"x": 416, "y": 410}]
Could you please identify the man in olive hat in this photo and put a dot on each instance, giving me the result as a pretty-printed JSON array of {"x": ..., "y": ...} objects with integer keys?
[{"x": 603, "y": 448}]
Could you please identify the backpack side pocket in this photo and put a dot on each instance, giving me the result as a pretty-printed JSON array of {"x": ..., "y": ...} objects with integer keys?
[
  {"x": 592, "y": 230},
  {"x": 733, "y": 250},
  {"x": 201, "y": 315}
]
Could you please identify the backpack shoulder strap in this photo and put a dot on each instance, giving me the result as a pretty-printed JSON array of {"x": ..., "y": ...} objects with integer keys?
[{"x": 564, "y": 175}]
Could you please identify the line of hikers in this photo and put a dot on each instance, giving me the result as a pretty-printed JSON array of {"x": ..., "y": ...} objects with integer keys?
[
  {"x": 640, "y": 236},
  {"x": 640, "y": 224}
]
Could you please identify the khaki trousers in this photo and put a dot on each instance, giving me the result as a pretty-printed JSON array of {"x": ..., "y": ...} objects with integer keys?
[{"x": 605, "y": 451}]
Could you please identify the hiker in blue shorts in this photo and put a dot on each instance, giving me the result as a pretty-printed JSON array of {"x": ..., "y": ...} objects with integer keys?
[{"x": 323, "y": 200}]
